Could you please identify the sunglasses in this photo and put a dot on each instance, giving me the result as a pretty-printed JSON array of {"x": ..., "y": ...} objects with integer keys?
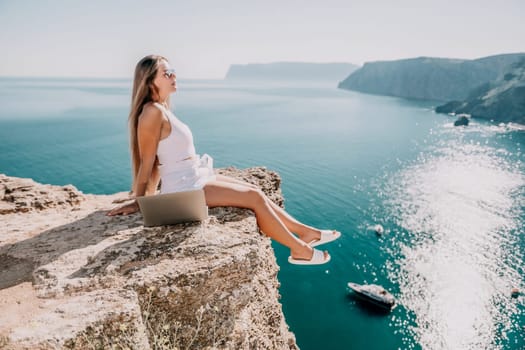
[{"x": 170, "y": 73}]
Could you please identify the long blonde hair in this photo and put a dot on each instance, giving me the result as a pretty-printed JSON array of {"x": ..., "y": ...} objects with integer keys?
[{"x": 144, "y": 91}]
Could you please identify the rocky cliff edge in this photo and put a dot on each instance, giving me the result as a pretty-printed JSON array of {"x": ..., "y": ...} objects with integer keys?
[{"x": 73, "y": 278}]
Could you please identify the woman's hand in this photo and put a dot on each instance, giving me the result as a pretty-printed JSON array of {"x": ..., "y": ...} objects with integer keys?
[{"x": 127, "y": 209}]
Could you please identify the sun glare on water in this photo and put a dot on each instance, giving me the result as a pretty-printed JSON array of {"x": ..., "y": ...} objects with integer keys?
[{"x": 458, "y": 213}]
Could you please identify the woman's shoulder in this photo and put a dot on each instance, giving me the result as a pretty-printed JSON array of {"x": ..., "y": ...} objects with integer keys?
[
  {"x": 150, "y": 113},
  {"x": 151, "y": 107}
]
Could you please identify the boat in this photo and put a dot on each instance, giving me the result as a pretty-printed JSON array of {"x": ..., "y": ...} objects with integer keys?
[{"x": 374, "y": 294}]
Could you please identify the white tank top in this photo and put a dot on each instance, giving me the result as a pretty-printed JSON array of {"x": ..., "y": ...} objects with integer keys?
[
  {"x": 181, "y": 169},
  {"x": 178, "y": 146}
]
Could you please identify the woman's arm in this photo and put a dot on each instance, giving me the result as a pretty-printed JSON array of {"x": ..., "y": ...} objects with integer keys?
[
  {"x": 148, "y": 136},
  {"x": 154, "y": 180}
]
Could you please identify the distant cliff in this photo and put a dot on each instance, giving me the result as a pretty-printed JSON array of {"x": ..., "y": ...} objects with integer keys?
[
  {"x": 429, "y": 78},
  {"x": 502, "y": 100},
  {"x": 290, "y": 71}
]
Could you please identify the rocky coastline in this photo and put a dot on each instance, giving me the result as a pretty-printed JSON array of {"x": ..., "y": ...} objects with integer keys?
[{"x": 501, "y": 101}]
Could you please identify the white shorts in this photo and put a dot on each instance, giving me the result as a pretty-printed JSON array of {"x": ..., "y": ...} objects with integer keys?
[{"x": 186, "y": 175}]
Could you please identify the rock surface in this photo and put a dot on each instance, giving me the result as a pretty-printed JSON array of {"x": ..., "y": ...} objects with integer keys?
[
  {"x": 461, "y": 121},
  {"x": 502, "y": 100},
  {"x": 73, "y": 278}
]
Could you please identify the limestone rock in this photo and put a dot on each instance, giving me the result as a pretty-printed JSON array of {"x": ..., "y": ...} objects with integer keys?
[
  {"x": 461, "y": 121},
  {"x": 73, "y": 278},
  {"x": 23, "y": 195}
]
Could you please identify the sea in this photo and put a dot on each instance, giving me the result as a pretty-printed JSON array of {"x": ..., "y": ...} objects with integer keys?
[{"x": 451, "y": 199}]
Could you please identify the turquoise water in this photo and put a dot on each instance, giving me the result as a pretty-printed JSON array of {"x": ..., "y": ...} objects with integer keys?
[{"x": 451, "y": 200}]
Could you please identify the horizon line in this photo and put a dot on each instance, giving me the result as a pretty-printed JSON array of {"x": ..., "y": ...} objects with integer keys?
[
  {"x": 359, "y": 65},
  {"x": 86, "y": 77}
]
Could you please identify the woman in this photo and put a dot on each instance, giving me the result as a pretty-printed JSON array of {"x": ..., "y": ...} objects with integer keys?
[{"x": 162, "y": 147}]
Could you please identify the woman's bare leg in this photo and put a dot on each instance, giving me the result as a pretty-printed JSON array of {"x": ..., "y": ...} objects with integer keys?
[
  {"x": 305, "y": 232},
  {"x": 228, "y": 194}
]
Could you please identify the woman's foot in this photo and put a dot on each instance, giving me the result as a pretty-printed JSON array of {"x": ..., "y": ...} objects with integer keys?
[
  {"x": 305, "y": 253},
  {"x": 314, "y": 237},
  {"x": 308, "y": 256}
]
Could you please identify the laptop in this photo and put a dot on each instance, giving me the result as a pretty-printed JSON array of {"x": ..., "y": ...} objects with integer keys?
[{"x": 173, "y": 208}]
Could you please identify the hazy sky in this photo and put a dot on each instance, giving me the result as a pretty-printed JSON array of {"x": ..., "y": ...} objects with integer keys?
[{"x": 97, "y": 38}]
